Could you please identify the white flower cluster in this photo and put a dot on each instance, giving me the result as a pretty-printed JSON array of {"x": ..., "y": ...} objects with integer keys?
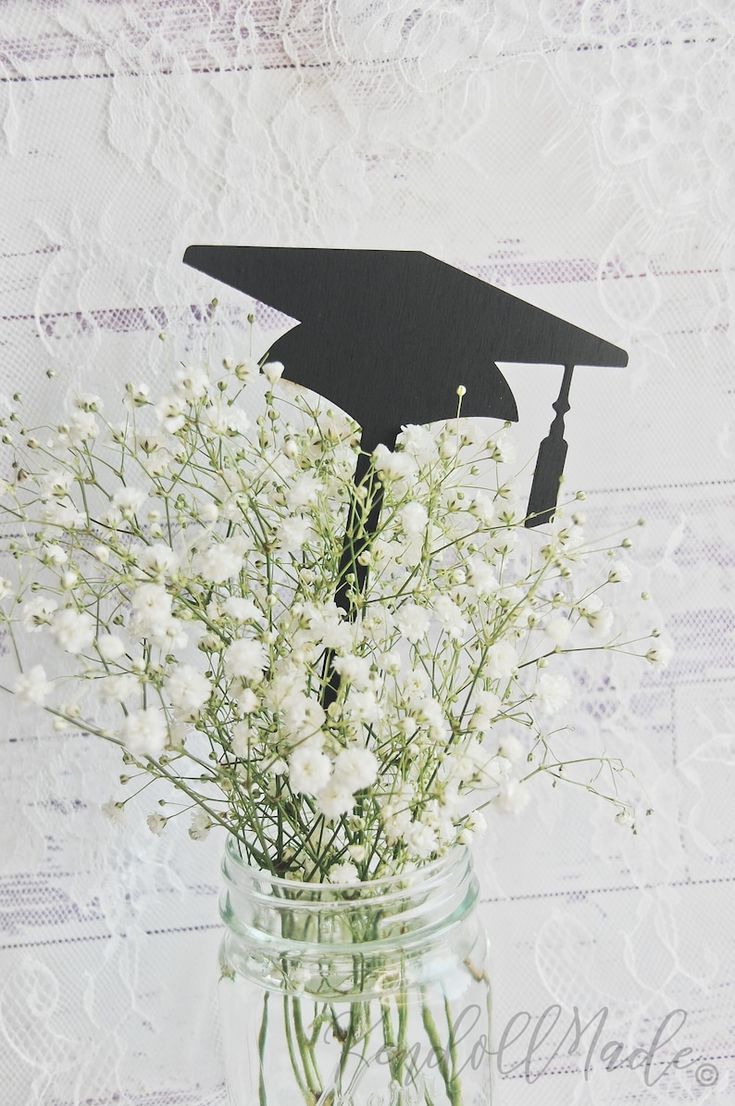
[{"x": 346, "y": 707}]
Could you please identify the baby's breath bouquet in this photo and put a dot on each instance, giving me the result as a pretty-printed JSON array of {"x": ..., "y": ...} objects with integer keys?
[{"x": 345, "y": 699}]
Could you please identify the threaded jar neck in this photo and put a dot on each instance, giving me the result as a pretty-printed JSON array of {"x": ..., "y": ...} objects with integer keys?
[{"x": 260, "y": 908}]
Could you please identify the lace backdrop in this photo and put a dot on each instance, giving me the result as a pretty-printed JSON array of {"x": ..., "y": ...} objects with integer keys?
[{"x": 579, "y": 153}]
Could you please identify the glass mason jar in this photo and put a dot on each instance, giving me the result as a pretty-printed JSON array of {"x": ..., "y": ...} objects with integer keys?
[{"x": 367, "y": 994}]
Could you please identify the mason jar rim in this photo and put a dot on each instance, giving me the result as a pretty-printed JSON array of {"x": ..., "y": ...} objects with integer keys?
[{"x": 454, "y": 855}]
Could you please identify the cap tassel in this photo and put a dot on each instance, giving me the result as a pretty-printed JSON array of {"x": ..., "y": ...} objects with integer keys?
[{"x": 550, "y": 461}]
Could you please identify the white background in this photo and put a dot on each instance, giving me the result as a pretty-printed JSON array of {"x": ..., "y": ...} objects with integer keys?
[{"x": 580, "y": 154}]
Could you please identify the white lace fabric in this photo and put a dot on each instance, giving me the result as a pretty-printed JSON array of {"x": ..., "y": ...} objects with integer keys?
[{"x": 579, "y": 154}]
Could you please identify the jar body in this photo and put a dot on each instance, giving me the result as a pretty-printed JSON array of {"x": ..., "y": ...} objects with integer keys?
[{"x": 373, "y": 994}]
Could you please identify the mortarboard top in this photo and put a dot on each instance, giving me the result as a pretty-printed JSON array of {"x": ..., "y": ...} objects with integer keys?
[{"x": 387, "y": 335}]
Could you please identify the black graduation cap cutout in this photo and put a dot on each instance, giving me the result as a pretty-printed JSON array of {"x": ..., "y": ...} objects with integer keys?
[{"x": 387, "y": 335}]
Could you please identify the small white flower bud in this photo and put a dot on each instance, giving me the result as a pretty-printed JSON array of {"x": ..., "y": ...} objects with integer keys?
[
  {"x": 244, "y": 371},
  {"x": 273, "y": 371}
]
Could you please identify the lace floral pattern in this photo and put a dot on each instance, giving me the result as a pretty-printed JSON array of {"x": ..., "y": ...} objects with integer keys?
[{"x": 580, "y": 154}]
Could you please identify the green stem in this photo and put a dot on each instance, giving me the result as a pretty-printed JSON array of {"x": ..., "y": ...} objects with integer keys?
[
  {"x": 262, "y": 1094},
  {"x": 454, "y": 1092},
  {"x": 402, "y": 1004},
  {"x": 292, "y": 1054},
  {"x": 390, "y": 1042},
  {"x": 307, "y": 1053},
  {"x": 452, "y": 1041}
]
